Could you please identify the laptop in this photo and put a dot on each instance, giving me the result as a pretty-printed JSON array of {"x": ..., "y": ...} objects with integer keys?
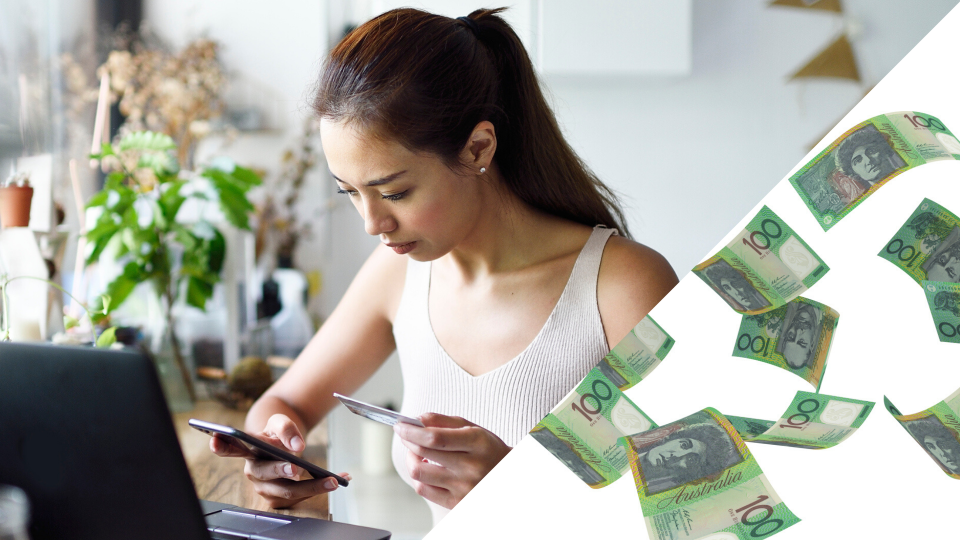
[{"x": 87, "y": 435}]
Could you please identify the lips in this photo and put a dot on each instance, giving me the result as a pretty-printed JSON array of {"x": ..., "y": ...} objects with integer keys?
[{"x": 401, "y": 248}]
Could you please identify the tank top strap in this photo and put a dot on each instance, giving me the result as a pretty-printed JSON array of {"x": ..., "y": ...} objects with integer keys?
[{"x": 582, "y": 286}]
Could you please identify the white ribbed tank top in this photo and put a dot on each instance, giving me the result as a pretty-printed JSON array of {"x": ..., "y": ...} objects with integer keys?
[{"x": 512, "y": 398}]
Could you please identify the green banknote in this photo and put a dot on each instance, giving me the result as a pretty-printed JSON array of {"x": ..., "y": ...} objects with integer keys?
[
  {"x": 944, "y": 301},
  {"x": 582, "y": 431},
  {"x": 811, "y": 421},
  {"x": 928, "y": 244},
  {"x": 637, "y": 354},
  {"x": 868, "y": 156},
  {"x": 795, "y": 337},
  {"x": 763, "y": 267},
  {"x": 697, "y": 480},
  {"x": 937, "y": 429}
]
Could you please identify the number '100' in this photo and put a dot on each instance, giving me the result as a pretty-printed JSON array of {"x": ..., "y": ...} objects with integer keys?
[{"x": 601, "y": 393}]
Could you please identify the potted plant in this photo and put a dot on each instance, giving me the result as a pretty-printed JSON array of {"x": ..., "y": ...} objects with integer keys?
[
  {"x": 140, "y": 216},
  {"x": 15, "y": 197}
]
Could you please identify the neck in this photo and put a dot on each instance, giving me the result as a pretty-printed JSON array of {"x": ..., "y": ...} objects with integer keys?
[{"x": 508, "y": 235}]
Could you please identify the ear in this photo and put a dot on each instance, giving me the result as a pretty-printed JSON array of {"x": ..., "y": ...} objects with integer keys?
[{"x": 480, "y": 147}]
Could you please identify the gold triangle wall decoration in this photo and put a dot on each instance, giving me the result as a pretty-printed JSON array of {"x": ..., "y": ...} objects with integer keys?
[
  {"x": 822, "y": 5},
  {"x": 835, "y": 61}
]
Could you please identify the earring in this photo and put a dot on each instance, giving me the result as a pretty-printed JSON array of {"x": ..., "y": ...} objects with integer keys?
[{"x": 483, "y": 170}]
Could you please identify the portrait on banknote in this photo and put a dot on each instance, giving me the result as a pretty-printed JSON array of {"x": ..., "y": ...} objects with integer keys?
[
  {"x": 695, "y": 450},
  {"x": 861, "y": 160},
  {"x": 944, "y": 263},
  {"x": 567, "y": 455},
  {"x": 939, "y": 441},
  {"x": 800, "y": 334},
  {"x": 734, "y": 287}
]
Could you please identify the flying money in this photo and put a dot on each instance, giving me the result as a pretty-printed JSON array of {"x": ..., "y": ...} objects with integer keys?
[
  {"x": 637, "y": 354},
  {"x": 927, "y": 247},
  {"x": 812, "y": 421},
  {"x": 697, "y": 480},
  {"x": 583, "y": 429},
  {"x": 937, "y": 430},
  {"x": 868, "y": 156},
  {"x": 763, "y": 267},
  {"x": 944, "y": 302},
  {"x": 795, "y": 337}
]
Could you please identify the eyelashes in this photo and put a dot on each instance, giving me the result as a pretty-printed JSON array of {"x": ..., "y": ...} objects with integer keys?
[{"x": 391, "y": 197}]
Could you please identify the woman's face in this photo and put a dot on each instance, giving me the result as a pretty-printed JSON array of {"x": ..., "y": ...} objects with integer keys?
[
  {"x": 677, "y": 454},
  {"x": 865, "y": 162},
  {"x": 413, "y": 202},
  {"x": 737, "y": 293},
  {"x": 942, "y": 453},
  {"x": 946, "y": 267}
]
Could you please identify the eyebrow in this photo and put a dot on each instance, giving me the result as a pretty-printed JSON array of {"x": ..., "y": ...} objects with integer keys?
[{"x": 378, "y": 182}]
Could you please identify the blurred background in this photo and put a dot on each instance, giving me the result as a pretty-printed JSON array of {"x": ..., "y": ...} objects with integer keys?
[{"x": 692, "y": 110}]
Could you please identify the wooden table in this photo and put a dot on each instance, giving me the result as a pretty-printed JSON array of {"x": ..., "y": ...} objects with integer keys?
[{"x": 222, "y": 479}]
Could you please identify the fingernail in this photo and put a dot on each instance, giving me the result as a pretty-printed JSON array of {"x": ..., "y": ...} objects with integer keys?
[
  {"x": 297, "y": 443},
  {"x": 288, "y": 469},
  {"x": 331, "y": 484}
]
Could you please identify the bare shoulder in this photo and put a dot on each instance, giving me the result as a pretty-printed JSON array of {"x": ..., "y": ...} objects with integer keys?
[
  {"x": 633, "y": 279},
  {"x": 381, "y": 278}
]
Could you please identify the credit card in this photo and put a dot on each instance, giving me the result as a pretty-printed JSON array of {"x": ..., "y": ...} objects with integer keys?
[{"x": 377, "y": 414}]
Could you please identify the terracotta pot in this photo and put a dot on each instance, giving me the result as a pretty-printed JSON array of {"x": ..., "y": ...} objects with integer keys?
[{"x": 15, "y": 206}]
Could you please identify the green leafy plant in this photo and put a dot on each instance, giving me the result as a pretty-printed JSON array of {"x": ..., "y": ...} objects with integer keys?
[
  {"x": 99, "y": 313},
  {"x": 141, "y": 201}
]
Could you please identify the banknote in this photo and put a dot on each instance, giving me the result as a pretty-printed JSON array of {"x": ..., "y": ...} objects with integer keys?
[
  {"x": 583, "y": 429},
  {"x": 937, "y": 430},
  {"x": 795, "y": 337},
  {"x": 868, "y": 156},
  {"x": 637, "y": 354},
  {"x": 763, "y": 267},
  {"x": 928, "y": 244},
  {"x": 944, "y": 302},
  {"x": 811, "y": 421},
  {"x": 697, "y": 480}
]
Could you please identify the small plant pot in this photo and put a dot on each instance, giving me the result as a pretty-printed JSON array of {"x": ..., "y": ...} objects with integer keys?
[{"x": 15, "y": 206}]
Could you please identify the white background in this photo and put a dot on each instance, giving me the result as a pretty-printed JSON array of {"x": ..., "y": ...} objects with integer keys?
[{"x": 877, "y": 484}]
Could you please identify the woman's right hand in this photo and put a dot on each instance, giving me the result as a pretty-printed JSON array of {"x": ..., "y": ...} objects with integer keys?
[{"x": 281, "y": 483}]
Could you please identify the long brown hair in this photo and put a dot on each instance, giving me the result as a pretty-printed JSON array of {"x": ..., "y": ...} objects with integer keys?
[{"x": 426, "y": 81}]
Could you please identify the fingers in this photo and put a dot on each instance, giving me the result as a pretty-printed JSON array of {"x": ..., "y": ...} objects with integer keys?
[
  {"x": 283, "y": 428},
  {"x": 441, "y": 420},
  {"x": 284, "y": 493},
  {"x": 453, "y": 439},
  {"x": 435, "y": 483},
  {"x": 226, "y": 447},
  {"x": 265, "y": 469}
]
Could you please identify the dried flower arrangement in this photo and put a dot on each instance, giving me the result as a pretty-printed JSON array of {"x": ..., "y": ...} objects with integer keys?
[{"x": 279, "y": 230}]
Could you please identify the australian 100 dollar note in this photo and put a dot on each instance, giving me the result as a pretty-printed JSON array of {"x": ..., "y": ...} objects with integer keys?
[
  {"x": 866, "y": 157},
  {"x": 637, "y": 354},
  {"x": 944, "y": 302},
  {"x": 763, "y": 267},
  {"x": 937, "y": 430},
  {"x": 927, "y": 247},
  {"x": 582, "y": 431},
  {"x": 697, "y": 480},
  {"x": 811, "y": 421},
  {"x": 795, "y": 337}
]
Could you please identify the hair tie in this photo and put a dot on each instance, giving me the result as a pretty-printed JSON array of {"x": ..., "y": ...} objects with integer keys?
[{"x": 472, "y": 25}]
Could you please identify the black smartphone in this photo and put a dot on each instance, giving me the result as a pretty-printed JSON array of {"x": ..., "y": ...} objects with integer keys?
[{"x": 262, "y": 449}]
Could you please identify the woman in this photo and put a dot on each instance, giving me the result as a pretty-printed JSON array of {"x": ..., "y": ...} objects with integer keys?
[{"x": 492, "y": 282}]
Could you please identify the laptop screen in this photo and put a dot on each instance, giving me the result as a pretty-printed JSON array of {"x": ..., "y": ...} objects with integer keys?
[{"x": 86, "y": 434}]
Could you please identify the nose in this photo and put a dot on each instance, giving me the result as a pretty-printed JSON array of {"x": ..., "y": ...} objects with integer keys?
[{"x": 377, "y": 219}]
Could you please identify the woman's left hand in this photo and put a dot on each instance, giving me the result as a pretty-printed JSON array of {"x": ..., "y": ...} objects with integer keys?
[{"x": 460, "y": 454}]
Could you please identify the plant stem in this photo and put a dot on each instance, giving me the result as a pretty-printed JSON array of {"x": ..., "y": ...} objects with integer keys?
[{"x": 175, "y": 342}]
